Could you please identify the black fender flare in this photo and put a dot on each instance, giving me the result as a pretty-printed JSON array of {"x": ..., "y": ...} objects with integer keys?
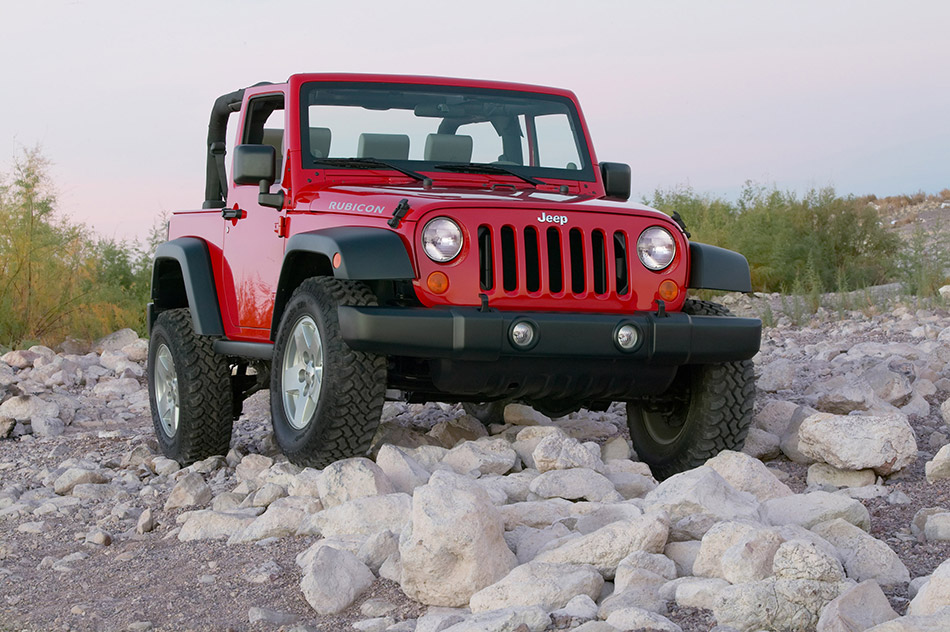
[
  {"x": 194, "y": 261},
  {"x": 366, "y": 253},
  {"x": 715, "y": 268}
]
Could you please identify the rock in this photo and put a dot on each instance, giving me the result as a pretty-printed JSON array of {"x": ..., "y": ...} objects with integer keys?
[
  {"x": 333, "y": 580},
  {"x": 790, "y": 440},
  {"x": 699, "y": 593},
  {"x": 113, "y": 389},
  {"x": 146, "y": 522},
  {"x": 48, "y": 426},
  {"x": 574, "y": 484},
  {"x": 864, "y": 556},
  {"x": 352, "y": 478},
  {"x": 378, "y": 624},
  {"x": 684, "y": 555},
  {"x": 945, "y": 412},
  {"x": 304, "y": 483},
  {"x": 762, "y": 445},
  {"x": 115, "y": 341},
  {"x": 529, "y": 438},
  {"x": 512, "y": 488},
  {"x": 273, "y": 617},
  {"x": 556, "y": 452},
  {"x": 350, "y": 544},
  {"x": 937, "y": 528},
  {"x": 801, "y": 559},
  {"x": 630, "y": 479},
  {"x": 282, "y": 519},
  {"x": 521, "y": 415},
  {"x": 883, "y": 443},
  {"x": 656, "y": 563},
  {"x": 720, "y": 538},
  {"x": 812, "y": 508},
  {"x": 66, "y": 481},
  {"x": 378, "y": 548},
  {"x": 702, "y": 490},
  {"x": 376, "y": 607},
  {"x": 164, "y": 467},
  {"x": 938, "y": 622},
  {"x": 778, "y": 375},
  {"x": 919, "y": 521},
  {"x": 938, "y": 468},
  {"x": 485, "y": 456},
  {"x": 823, "y": 474},
  {"x": 751, "y": 558},
  {"x": 465, "y": 428},
  {"x": 28, "y": 407},
  {"x": 933, "y": 595},
  {"x": 362, "y": 516},
  {"x": 841, "y": 395},
  {"x": 519, "y": 619},
  {"x": 536, "y": 514},
  {"x": 438, "y": 619},
  {"x": 402, "y": 470},
  {"x": 550, "y": 586},
  {"x": 19, "y": 358},
  {"x": 215, "y": 525},
  {"x": 578, "y": 607},
  {"x": 776, "y": 416},
  {"x": 642, "y": 590},
  {"x": 893, "y": 388},
  {"x": 251, "y": 466},
  {"x": 98, "y": 537},
  {"x": 616, "y": 449},
  {"x": 747, "y": 474},
  {"x": 609, "y": 545},
  {"x": 857, "y": 608},
  {"x": 774, "y": 604},
  {"x": 640, "y": 619},
  {"x": 191, "y": 490},
  {"x": 455, "y": 545}
]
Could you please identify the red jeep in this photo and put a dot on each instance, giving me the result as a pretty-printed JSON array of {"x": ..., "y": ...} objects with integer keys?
[{"x": 432, "y": 239}]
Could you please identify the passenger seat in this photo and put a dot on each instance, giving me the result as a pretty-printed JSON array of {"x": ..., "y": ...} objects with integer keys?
[
  {"x": 448, "y": 148},
  {"x": 384, "y": 146}
]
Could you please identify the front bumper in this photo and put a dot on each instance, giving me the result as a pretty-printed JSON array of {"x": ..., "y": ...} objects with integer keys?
[{"x": 467, "y": 333}]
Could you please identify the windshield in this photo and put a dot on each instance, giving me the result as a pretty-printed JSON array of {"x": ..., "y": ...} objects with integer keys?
[{"x": 442, "y": 128}]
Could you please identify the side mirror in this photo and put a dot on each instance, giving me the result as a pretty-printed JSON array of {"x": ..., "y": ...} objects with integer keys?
[
  {"x": 256, "y": 164},
  {"x": 616, "y": 180}
]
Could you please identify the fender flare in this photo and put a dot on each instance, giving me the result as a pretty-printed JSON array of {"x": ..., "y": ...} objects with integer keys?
[
  {"x": 715, "y": 268},
  {"x": 194, "y": 260}
]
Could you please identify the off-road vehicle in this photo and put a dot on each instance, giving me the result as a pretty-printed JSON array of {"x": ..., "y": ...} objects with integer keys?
[{"x": 429, "y": 239}]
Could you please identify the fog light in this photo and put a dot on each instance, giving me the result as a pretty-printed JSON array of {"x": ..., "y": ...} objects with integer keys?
[
  {"x": 522, "y": 334},
  {"x": 627, "y": 337}
]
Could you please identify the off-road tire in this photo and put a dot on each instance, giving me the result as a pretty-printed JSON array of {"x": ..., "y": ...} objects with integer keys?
[
  {"x": 706, "y": 410},
  {"x": 203, "y": 390},
  {"x": 353, "y": 384}
]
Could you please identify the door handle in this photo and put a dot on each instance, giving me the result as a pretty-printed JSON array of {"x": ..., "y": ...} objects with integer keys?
[{"x": 232, "y": 213}]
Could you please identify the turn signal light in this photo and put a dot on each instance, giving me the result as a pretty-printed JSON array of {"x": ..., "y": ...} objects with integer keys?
[
  {"x": 438, "y": 283},
  {"x": 668, "y": 291}
]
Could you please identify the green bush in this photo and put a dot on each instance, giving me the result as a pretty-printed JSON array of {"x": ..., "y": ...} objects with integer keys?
[{"x": 817, "y": 243}]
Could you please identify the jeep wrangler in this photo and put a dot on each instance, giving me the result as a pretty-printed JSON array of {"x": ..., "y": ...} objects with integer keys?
[{"x": 431, "y": 239}]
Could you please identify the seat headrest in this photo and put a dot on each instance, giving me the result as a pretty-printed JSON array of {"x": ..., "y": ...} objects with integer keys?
[
  {"x": 448, "y": 148},
  {"x": 319, "y": 142},
  {"x": 384, "y": 146}
]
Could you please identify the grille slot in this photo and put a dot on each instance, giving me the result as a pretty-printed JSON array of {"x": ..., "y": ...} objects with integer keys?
[{"x": 553, "y": 260}]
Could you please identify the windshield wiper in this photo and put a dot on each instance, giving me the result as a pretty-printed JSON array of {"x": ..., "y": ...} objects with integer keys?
[
  {"x": 370, "y": 163},
  {"x": 481, "y": 167}
]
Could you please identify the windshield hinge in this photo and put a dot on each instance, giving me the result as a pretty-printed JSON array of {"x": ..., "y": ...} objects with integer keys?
[{"x": 401, "y": 210}]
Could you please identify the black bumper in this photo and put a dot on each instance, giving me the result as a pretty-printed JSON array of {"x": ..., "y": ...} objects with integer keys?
[{"x": 467, "y": 333}]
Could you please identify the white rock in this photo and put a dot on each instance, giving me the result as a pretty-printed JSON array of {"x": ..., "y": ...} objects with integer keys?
[
  {"x": 485, "y": 456},
  {"x": 945, "y": 412},
  {"x": 762, "y": 445},
  {"x": 305, "y": 483},
  {"x": 777, "y": 375},
  {"x": 747, "y": 474},
  {"x": 146, "y": 522},
  {"x": 528, "y": 439},
  {"x": 526, "y": 542},
  {"x": 774, "y": 604},
  {"x": 455, "y": 546},
  {"x": 556, "y": 452},
  {"x": 933, "y": 595},
  {"x": 812, "y": 508},
  {"x": 532, "y": 618},
  {"x": 608, "y": 546},
  {"x": 352, "y": 478},
  {"x": 776, "y": 416},
  {"x": 47, "y": 426},
  {"x": 699, "y": 593},
  {"x": 251, "y": 466},
  {"x": 19, "y": 358},
  {"x": 115, "y": 341},
  {"x": 26, "y": 407},
  {"x": 521, "y": 415},
  {"x": 378, "y": 548},
  {"x": 719, "y": 539},
  {"x": 616, "y": 449},
  {"x": 702, "y": 490},
  {"x": 750, "y": 559},
  {"x": 578, "y": 607},
  {"x": 550, "y": 586},
  {"x": 73, "y": 476},
  {"x": 112, "y": 389},
  {"x": 858, "y": 608},
  {"x": 281, "y": 519},
  {"x": 215, "y": 525},
  {"x": 438, "y": 619},
  {"x": 574, "y": 484},
  {"x": 404, "y": 472},
  {"x": 362, "y": 516},
  {"x": 801, "y": 559},
  {"x": 350, "y": 544},
  {"x": 824, "y": 474},
  {"x": 641, "y": 590},
  {"x": 191, "y": 490},
  {"x": 641, "y": 560},
  {"x": 512, "y": 488},
  {"x": 684, "y": 555},
  {"x": 893, "y": 388},
  {"x": 164, "y": 466},
  {"x": 630, "y": 479},
  {"x": 937, "y": 527},
  {"x": 864, "y": 556},
  {"x": 537, "y": 513},
  {"x": 604, "y": 515},
  {"x": 937, "y": 622},
  {"x": 938, "y": 468},
  {"x": 883, "y": 443},
  {"x": 333, "y": 580},
  {"x": 640, "y": 619}
]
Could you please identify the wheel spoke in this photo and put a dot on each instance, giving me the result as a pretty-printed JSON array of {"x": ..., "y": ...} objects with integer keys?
[
  {"x": 291, "y": 379},
  {"x": 300, "y": 412}
]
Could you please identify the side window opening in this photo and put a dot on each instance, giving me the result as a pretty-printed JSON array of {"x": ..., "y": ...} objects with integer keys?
[{"x": 264, "y": 125}]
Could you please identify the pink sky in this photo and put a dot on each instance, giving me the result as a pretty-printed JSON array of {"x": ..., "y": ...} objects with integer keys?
[{"x": 854, "y": 94}]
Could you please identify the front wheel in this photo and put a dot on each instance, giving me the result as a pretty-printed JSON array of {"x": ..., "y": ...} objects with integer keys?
[
  {"x": 326, "y": 398},
  {"x": 706, "y": 410}
]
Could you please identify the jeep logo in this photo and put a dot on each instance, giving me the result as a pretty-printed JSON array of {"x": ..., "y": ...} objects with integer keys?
[{"x": 560, "y": 220}]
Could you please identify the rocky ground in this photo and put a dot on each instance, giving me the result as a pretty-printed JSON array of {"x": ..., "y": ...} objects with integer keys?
[{"x": 836, "y": 514}]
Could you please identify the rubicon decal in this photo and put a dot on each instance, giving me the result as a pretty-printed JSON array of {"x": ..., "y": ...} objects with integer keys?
[
  {"x": 560, "y": 220},
  {"x": 359, "y": 208}
]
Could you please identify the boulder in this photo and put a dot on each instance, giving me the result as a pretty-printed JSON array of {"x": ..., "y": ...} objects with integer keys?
[
  {"x": 858, "y": 608},
  {"x": 694, "y": 592},
  {"x": 702, "y": 490},
  {"x": 640, "y": 619},
  {"x": 558, "y": 452},
  {"x": 574, "y": 484},
  {"x": 361, "y": 516},
  {"x": 522, "y": 619},
  {"x": 115, "y": 341},
  {"x": 864, "y": 556},
  {"x": 938, "y": 468},
  {"x": 73, "y": 476},
  {"x": 547, "y": 585},
  {"x": 812, "y": 508},
  {"x": 801, "y": 559},
  {"x": 216, "y": 525},
  {"x": 748, "y": 474},
  {"x": 937, "y": 528},
  {"x": 934, "y": 595},
  {"x": 656, "y": 563},
  {"x": 485, "y": 456},
  {"x": 883, "y": 443},
  {"x": 455, "y": 545},
  {"x": 824, "y": 474},
  {"x": 529, "y": 438},
  {"x": 450, "y": 432},
  {"x": 777, "y": 375},
  {"x": 521, "y": 415},
  {"x": 27, "y": 407},
  {"x": 641, "y": 590},
  {"x": 404, "y": 472},
  {"x": 937, "y": 622},
  {"x": 762, "y": 445},
  {"x": 776, "y": 416},
  {"x": 333, "y": 580},
  {"x": 191, "y": 490},
  {"x": 720, "y": 538},
  {"x": 535, "y": 513},
  {"x": 775, "y": 604},
  {"x": 751, "y": 558},
  {"x": 281, "y": 519},
  {"x": 352, "y": 478}
]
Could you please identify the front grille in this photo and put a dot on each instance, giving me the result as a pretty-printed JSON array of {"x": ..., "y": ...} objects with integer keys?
[{"x": 555, "y": 260}]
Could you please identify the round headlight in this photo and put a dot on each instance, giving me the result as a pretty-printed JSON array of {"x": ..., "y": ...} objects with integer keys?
[
  {"x": 656, "y": 248},
  {"x": 442, "y": 239}
]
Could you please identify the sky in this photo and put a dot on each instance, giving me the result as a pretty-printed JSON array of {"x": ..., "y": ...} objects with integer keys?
[{"x": 853, "y": 94}]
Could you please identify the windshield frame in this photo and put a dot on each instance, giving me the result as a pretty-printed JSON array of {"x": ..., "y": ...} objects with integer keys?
[{"x": 586, "y": 173}]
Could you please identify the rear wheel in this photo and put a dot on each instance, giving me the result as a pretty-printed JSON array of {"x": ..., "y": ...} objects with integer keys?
[
  {"x": 189, "y": 388},
  {"x": 326, "y": 398},
  {"x": 706, "y": 410}
]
